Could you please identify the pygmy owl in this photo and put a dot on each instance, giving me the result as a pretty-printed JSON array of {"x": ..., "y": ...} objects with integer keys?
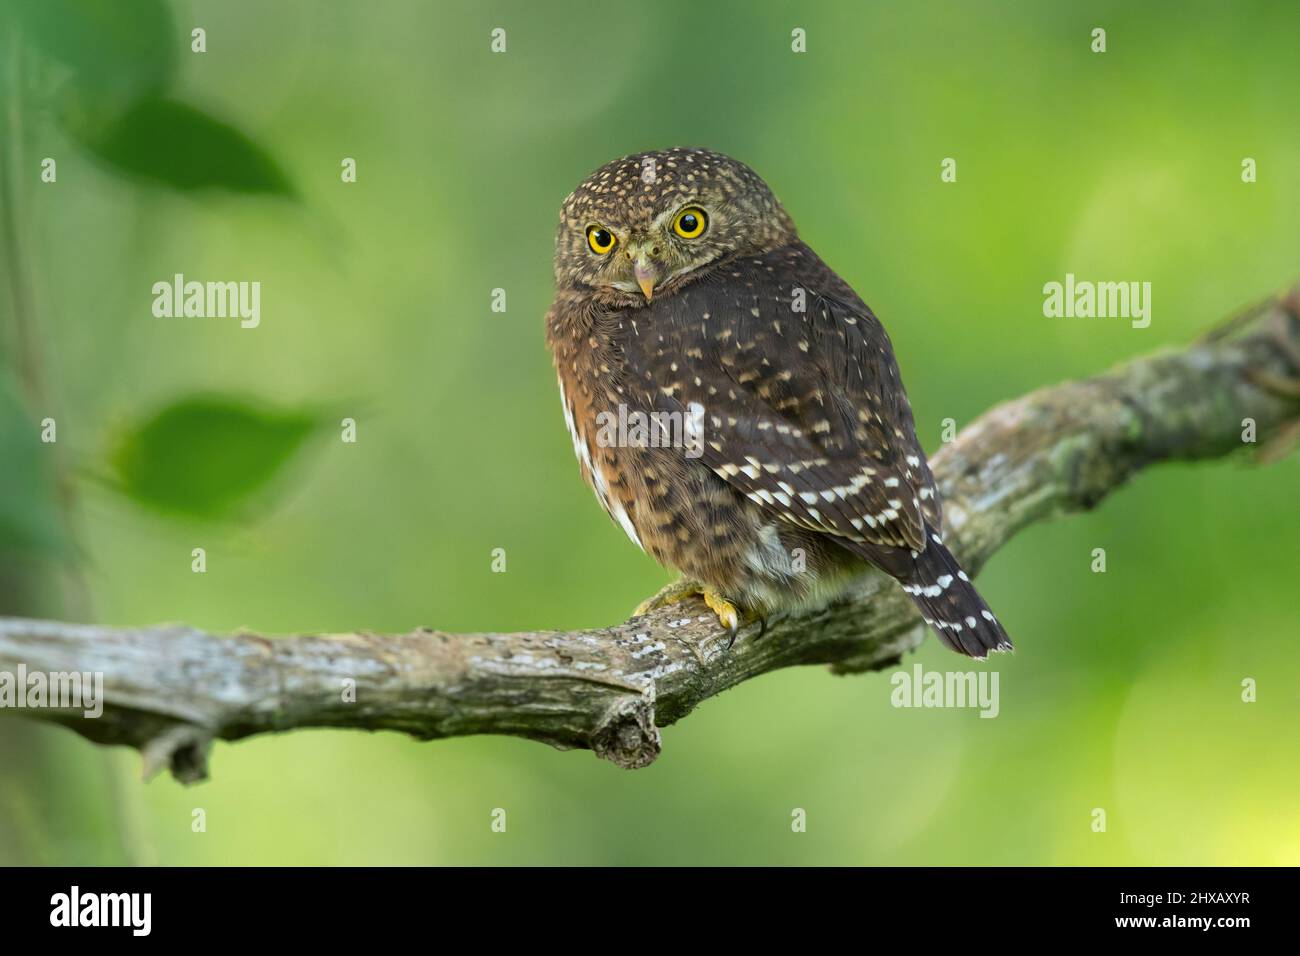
[{"x": 734, "y": 404}]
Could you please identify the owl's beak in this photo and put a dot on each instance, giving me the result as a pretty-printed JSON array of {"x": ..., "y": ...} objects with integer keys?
[{"x": 646, "y": 273}]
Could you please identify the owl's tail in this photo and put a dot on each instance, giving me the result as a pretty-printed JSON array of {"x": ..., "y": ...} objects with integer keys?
[{"x": 950, "y": 604}]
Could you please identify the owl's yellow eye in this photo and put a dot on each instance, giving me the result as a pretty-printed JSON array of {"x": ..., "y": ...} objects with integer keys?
[
  {"x": 690, "y": 222},
  {"x": 600, "y": 239}
]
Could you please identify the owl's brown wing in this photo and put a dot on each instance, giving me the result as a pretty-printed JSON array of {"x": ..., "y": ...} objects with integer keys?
[{"x": 799, "y": 398}]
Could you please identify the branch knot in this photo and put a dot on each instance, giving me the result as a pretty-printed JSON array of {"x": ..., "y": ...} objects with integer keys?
[{"x": 626, "y": 734}]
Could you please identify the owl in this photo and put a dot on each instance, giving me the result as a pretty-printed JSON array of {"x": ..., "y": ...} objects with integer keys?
[{"x": 735, "y": 406}]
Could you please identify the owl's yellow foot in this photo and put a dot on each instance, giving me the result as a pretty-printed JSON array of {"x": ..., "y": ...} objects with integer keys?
[
  {"x": 728, "y": 614},
  {"x": 669, "y": 594}
]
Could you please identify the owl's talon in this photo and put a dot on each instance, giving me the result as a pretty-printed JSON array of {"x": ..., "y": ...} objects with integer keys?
[
  {"x": 668, "y": 595},
  {"x": 728, "y": 616}
]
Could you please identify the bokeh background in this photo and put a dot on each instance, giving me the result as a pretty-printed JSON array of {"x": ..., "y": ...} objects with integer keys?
[{"x": 1125, "y": 691}]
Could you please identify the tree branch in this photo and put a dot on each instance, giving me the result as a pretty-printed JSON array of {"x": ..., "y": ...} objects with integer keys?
[{"x": 171, "y": 690}]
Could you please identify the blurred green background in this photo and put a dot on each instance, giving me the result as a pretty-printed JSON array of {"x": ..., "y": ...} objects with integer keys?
[{"x": 1125, "y": 691}]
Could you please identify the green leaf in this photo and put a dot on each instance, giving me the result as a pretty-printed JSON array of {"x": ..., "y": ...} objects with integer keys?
[
  {"x": 117, "y": 49},
  {"x": 30, "y": 520},
  {"x": 207, "y": 456},
  {"x": 175, "y": 144}
]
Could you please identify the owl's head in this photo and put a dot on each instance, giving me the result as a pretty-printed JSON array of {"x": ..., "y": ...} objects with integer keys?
[{"x": 645, "y": 225}]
